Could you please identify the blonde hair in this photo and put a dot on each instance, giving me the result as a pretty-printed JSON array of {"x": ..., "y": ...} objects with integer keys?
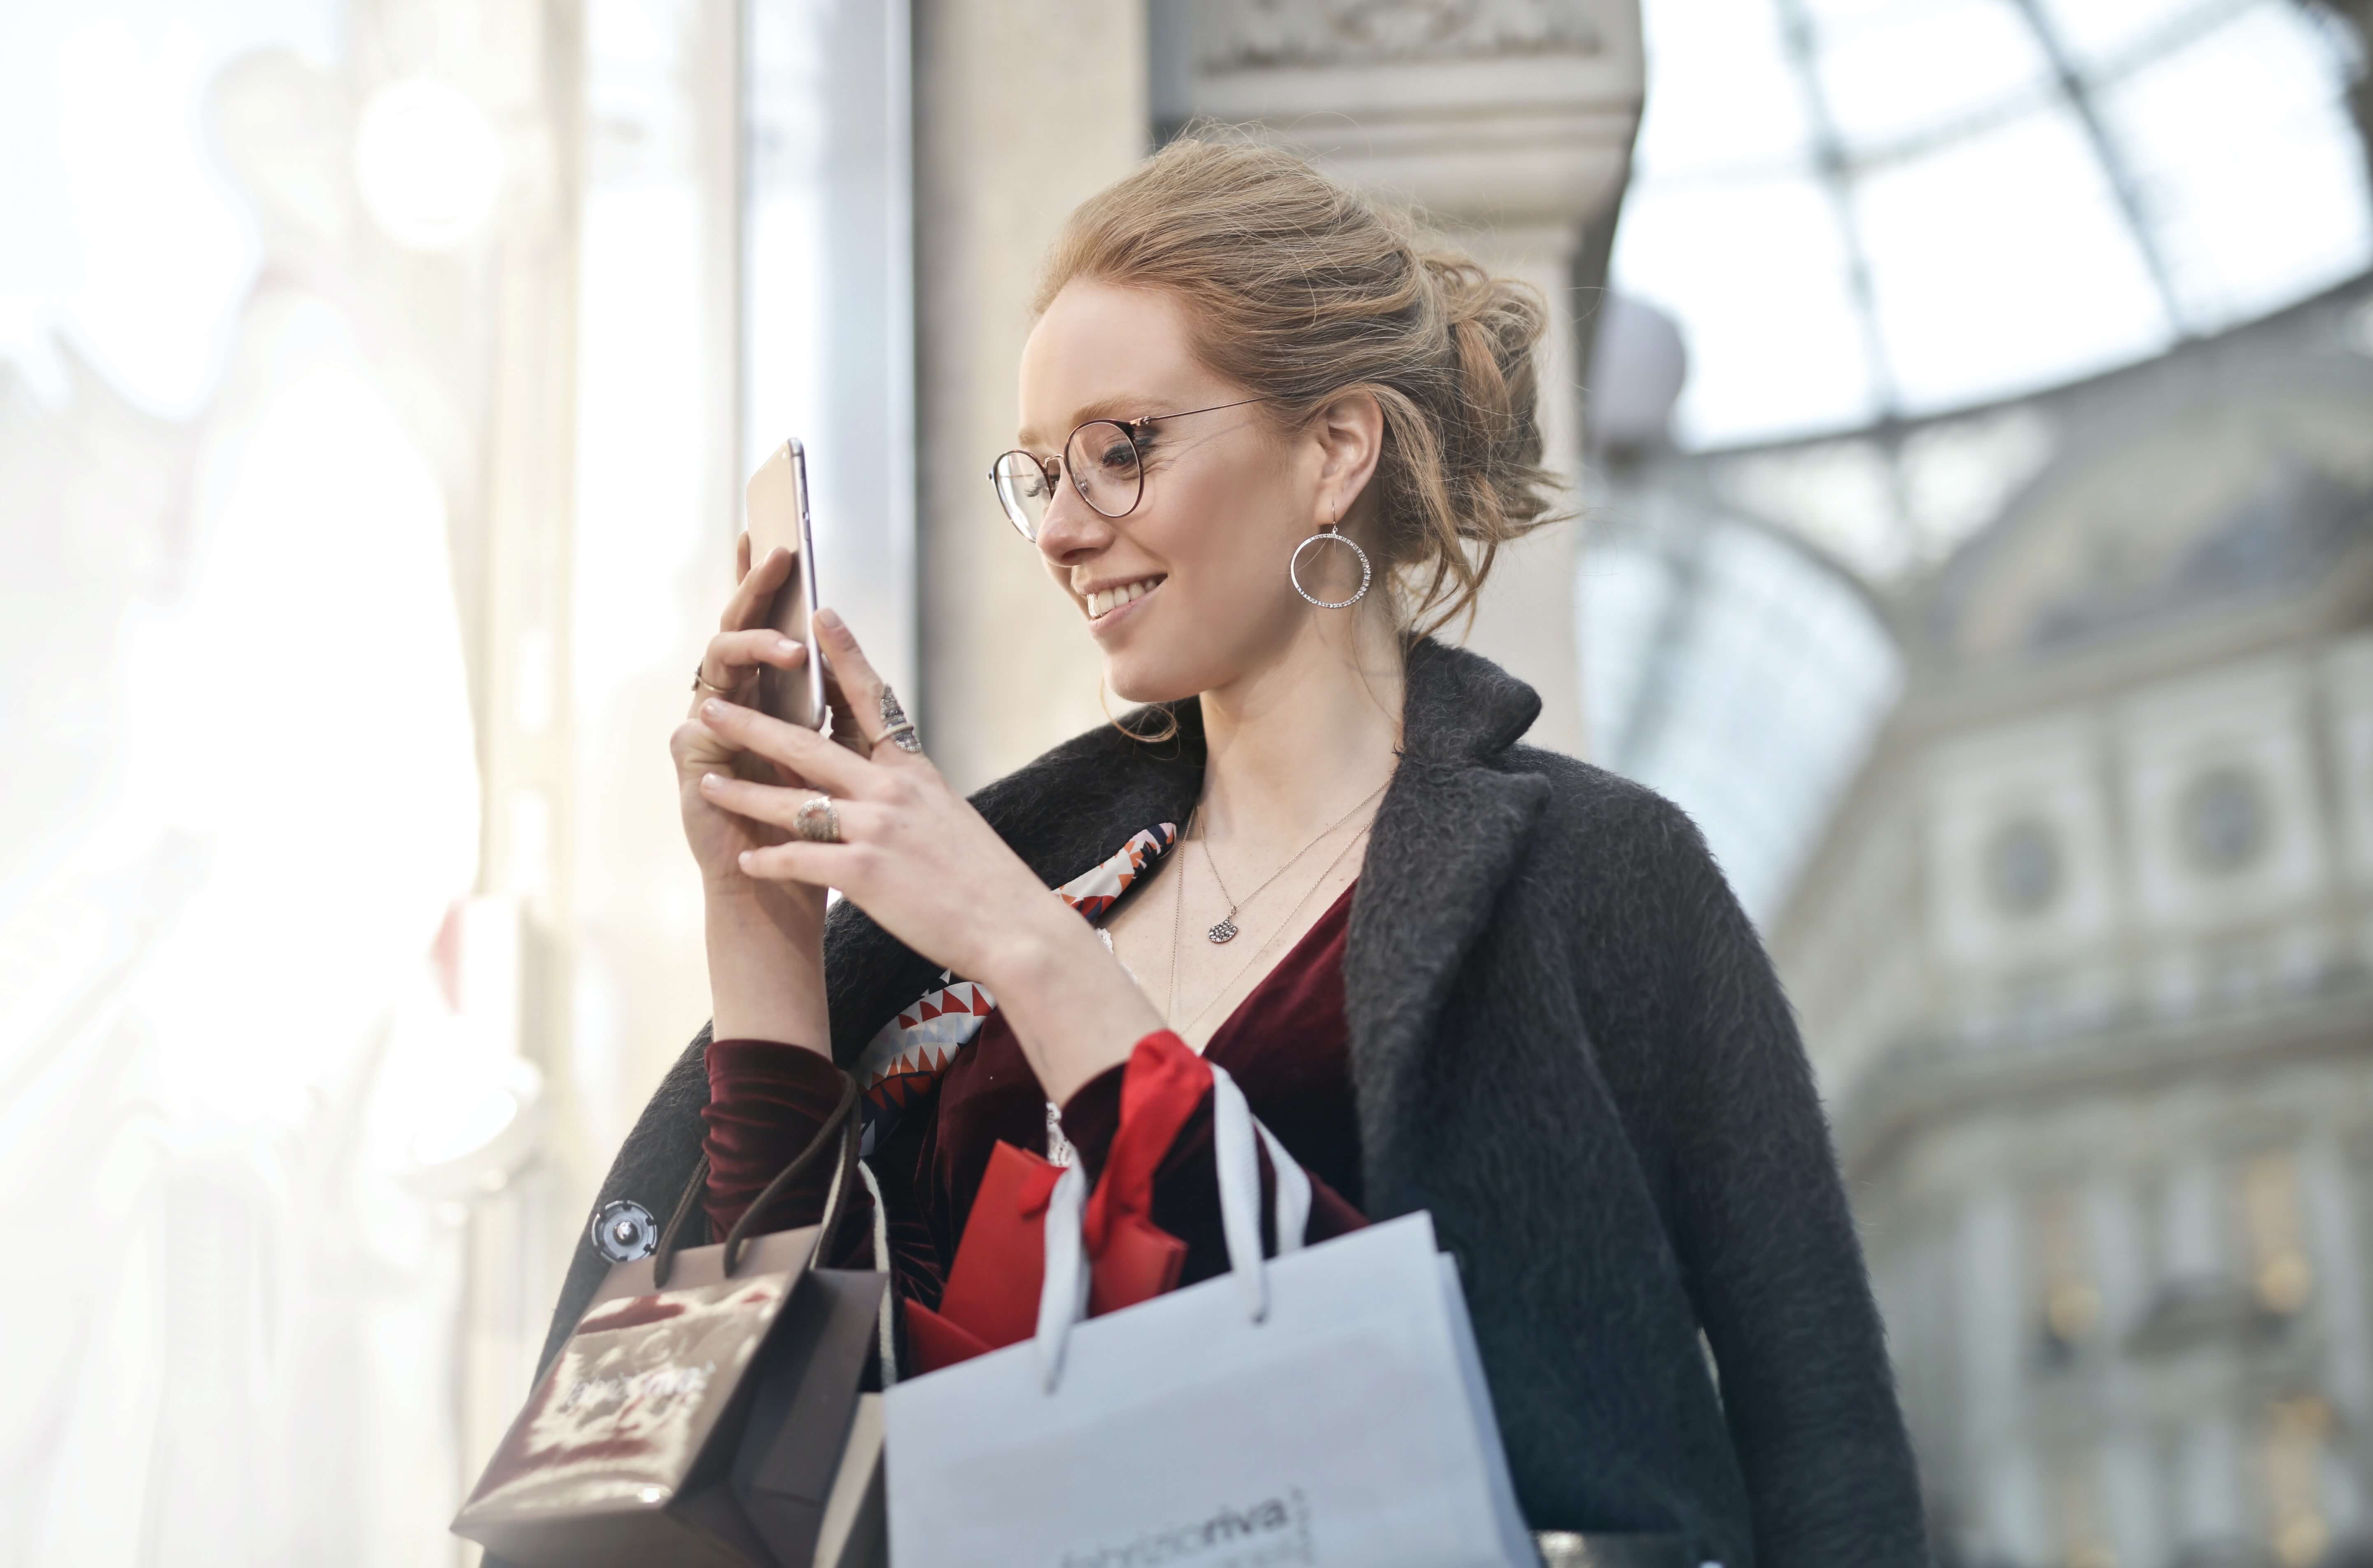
[{"x": 1302, "y": 290}]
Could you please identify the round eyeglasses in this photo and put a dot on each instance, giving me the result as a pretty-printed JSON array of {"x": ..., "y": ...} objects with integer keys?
[{"x": 1105, "y": 459}]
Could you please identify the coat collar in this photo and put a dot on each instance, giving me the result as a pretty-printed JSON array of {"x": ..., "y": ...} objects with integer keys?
[{"x": 1447, "y": 834}]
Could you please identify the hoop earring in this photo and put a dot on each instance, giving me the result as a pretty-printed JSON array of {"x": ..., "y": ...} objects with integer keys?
[{"x": 1293, "y": 568}]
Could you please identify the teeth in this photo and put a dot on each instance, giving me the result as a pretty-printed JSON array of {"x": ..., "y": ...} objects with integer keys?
[{"x": 1106, "y": 599}]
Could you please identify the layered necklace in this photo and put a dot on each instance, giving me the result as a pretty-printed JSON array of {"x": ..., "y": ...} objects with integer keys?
[
  {"x": 1226, "y": 930},
  {"x": 1178, "y": 901}
]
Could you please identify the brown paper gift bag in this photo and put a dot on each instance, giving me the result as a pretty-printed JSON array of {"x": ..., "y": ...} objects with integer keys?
[{"x": 639, "y": 1446}]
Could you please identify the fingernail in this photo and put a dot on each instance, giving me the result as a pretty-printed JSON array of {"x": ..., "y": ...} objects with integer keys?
[
  {"x": 787, "y": 646},
  {"x": 829, "y": 620},
  {"x": 712, "y": 708},
  {"x": 747, "y": 859},
  {"x": 709, "y": 781}
]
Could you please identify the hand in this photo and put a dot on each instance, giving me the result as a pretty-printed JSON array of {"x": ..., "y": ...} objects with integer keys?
[
  {"x": 915, "y": 856},
  {"x": 764, "y": 939},
  {"x": 743, "y": 645}
]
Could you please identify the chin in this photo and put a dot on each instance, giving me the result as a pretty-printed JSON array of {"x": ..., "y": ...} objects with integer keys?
[
  {"x": 1139, "y": 682},
  {"x": 1141, "y": 675}
]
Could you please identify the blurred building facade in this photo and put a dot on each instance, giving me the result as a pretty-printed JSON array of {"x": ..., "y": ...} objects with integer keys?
[
  {"x": 2088, "y": 954},
  {"x": 2023, "y": 687},
  {"x": 1987, "y": 564}
]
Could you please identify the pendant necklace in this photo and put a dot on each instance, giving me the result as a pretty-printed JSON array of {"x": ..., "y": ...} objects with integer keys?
[
  {"x": 1170, "y": 1007},
  {"x": 1227, "y": 929}
]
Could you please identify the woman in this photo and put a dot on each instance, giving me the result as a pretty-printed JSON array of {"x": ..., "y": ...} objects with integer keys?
[{"x": 1264, "y": 436}]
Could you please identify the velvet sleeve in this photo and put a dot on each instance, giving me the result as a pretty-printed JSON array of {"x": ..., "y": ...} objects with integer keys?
[
  {"x": 1187, "y": 1185},
  {"x": 767, "y": 1102}
]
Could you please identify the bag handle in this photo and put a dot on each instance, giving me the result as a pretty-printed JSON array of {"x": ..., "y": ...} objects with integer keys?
[
  {"x": 1063, "y": 1289},
  {"x": 841, "y": 1130},
  {"x": 664, "y": 1254}
]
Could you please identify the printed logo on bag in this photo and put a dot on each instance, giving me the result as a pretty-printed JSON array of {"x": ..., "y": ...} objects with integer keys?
[
  {"x": 627, "y": 1405},
  {"x": 1260, "y": 1535},
  {"x": 657, "y": 1386}
]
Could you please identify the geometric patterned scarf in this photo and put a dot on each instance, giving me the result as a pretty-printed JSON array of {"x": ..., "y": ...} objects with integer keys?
[{"x": 903, "y": 1063}]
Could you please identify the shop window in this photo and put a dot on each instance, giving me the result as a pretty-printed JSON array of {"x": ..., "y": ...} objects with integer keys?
[
  {"x": 2068, "y": 1300},
  {"x": 2291, "y": 1459},
  {"x": 2275, "y": 1248},
  {"x": 2083, "y": 1529}
]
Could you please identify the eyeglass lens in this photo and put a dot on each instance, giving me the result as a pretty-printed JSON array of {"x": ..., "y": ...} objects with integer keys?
[{"x": 1102, "y": 460}]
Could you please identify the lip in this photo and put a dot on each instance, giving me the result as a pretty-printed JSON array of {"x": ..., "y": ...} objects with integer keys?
[{"x": 1113, "y": 619}]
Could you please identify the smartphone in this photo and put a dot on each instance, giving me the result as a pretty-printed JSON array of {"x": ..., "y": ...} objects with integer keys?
[{"x": 777, "y": 500}]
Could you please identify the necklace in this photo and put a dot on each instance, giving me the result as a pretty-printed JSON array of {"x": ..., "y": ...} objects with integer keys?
[
  {"x": 1177, "y": 902},
  {"x": 1227, "y": 929}
]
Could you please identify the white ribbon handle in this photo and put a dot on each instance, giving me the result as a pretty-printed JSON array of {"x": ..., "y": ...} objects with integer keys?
[
  {"x": 1232, "y": 1128},
  {"x": 1063, "y": 1293}
]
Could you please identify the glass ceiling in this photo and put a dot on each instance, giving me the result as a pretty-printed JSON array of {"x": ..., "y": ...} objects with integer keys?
[
  {"x": 1864, "y": 209},
  {"x": 1729, "y": 671}
]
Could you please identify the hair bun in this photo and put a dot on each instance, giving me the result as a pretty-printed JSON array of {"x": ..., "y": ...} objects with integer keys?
[{"x": 1493, "y": 324}]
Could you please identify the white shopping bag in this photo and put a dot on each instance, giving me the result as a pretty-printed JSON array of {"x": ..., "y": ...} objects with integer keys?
[{"x": 1324, "y": 1407}]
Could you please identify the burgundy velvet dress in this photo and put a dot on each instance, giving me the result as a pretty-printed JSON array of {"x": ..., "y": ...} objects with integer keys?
[{"x": 1286, "y": 1045}]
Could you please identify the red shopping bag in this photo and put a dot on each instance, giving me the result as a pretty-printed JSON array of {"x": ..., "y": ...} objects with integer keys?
[{"x": 991, "y": 1299}]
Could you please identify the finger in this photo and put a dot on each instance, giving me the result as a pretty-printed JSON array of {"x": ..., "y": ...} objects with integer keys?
[
  {"x": 846, "y": 731},
  {"x": 864, "y": 688},
  {"x": 751, "y": 601},
  {"x": 694, "y": 745},
  {"x": 858, "y": 821},
  {"x": 808, "y": 755},
  {"x": 741, "y": 555},
  {"x": 800, "y": 860},
  {"x": 730, "y": 656}
]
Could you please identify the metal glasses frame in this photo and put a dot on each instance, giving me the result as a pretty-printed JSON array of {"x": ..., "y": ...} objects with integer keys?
[{"x": 1056, "y": 468}]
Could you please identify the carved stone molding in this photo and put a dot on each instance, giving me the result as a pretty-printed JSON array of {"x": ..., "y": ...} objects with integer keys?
[
  {"x": 1238, "y": 35},
  {"x": 1490, "y": 111}
]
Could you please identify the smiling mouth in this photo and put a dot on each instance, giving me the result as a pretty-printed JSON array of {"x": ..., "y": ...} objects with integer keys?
[{"x": 1104, "y": 600}]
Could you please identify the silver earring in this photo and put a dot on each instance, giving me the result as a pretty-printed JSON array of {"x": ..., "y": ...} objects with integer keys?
[{"x": 1293, "y": 568}]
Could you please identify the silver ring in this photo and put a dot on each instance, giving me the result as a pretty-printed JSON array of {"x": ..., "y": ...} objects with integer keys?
[
  {"x": 1293, "y": 568},
  {"x": 817, "y": 820},
  {"x": 896, "y": 727}
]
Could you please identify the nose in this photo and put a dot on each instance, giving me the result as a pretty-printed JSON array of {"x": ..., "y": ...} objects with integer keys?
[{"x": 1072, "y": 530}]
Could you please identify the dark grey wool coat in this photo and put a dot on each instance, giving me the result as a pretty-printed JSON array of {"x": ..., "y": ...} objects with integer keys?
[{"x": 1568, "y": 1045}]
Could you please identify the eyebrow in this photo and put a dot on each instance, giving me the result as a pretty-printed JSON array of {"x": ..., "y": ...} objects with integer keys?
[{"x": 1101, "y": 408}]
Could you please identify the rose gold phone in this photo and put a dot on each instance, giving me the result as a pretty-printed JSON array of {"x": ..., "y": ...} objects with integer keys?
[{"x": 777, "y": 503}]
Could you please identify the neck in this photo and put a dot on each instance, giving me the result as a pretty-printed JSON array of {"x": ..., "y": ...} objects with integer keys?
[{"x": 1293, "y": 746}]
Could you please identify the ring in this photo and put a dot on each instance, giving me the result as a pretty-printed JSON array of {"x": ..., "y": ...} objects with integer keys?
[
  {"x": 817, "y": 821},
  {"x": 701, "y": 682},
  {"x": 896, "y": 727}
]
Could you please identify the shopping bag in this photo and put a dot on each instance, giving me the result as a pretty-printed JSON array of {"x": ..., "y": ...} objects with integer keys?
[
  {"x": 856, "y": 1528},
  {"x": 1324, "y": 1407},
  {"x": 792, "y": 1447},
  {"x": 992, "y": 1296},
  {"x": 631, "y": 1448}
]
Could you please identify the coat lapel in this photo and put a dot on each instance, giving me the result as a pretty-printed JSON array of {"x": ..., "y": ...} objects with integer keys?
[{"x": 1449, "y": 834}]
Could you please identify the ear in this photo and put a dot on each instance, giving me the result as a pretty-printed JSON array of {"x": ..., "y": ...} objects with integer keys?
[{"x": 1349, "y": 432}]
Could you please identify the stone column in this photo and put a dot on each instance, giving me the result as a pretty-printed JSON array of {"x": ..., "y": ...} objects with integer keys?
[
  {"x": 1511, "y": 123},
  {"x": 1023, "y": 108}
]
